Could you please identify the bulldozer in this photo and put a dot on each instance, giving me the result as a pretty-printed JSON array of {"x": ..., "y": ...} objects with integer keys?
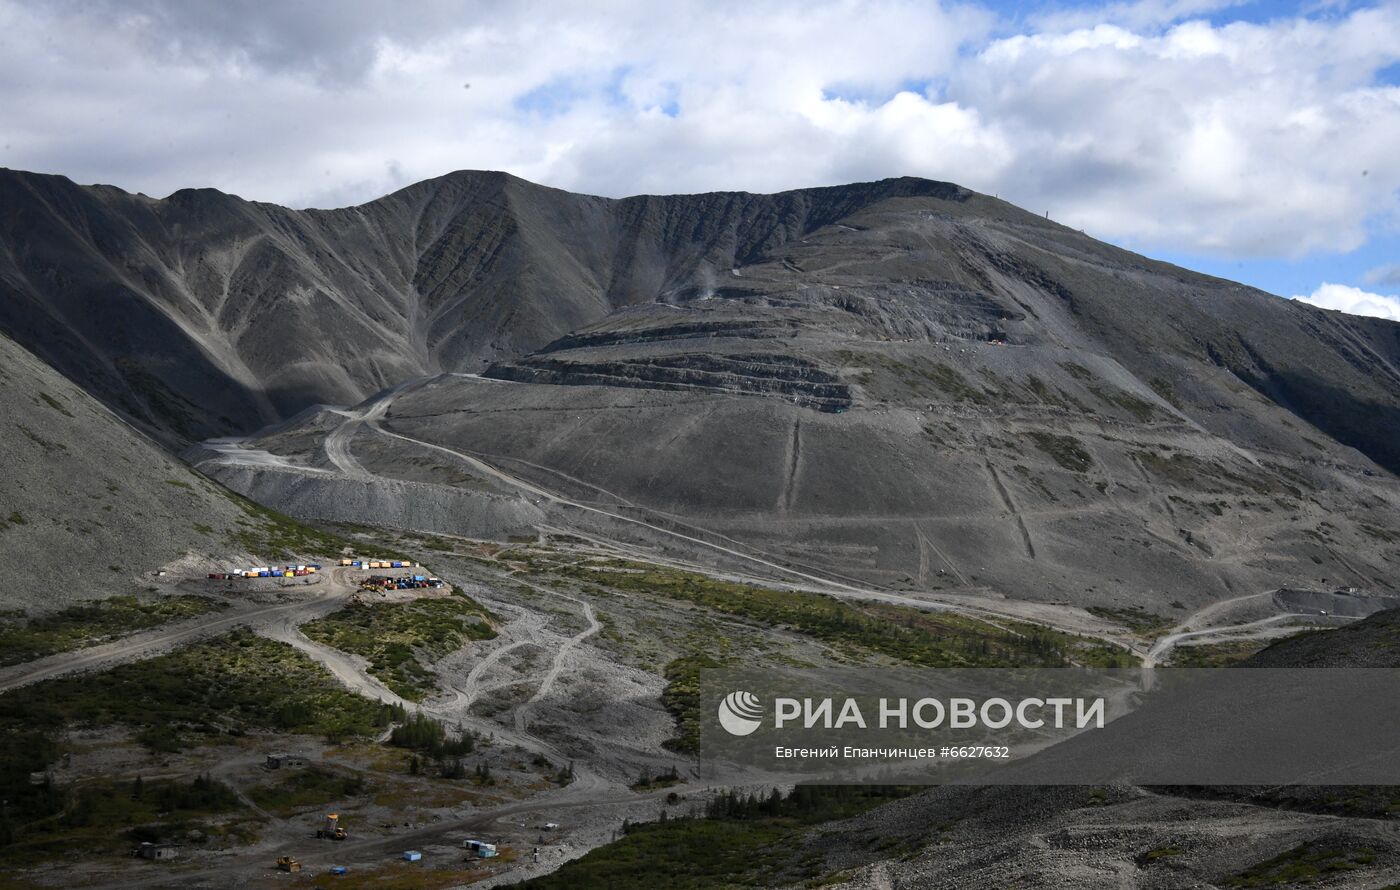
[
  {"x": 287, "y": 863},
  {"x": 331, "y": 829}
]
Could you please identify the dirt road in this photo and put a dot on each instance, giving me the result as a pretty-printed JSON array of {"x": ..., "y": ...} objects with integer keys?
[{"x": 332, "y": 592}]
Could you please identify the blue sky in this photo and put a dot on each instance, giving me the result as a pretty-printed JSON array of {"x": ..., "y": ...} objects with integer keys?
[{"x": 1255, "y": 141}]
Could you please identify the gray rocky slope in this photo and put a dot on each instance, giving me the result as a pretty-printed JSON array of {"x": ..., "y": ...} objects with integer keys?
[
  {"x": 903, "y": 383},
  {"x": 89, "y": 504}
]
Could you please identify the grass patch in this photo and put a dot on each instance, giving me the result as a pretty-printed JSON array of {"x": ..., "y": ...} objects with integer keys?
[
  {"x": 1138, "y": 620},
  {"x": 277, "y": 536},
  {"x": 1193, "y": 473},
  {"x": 650, "y": 782},
  {"x": 55, "y": 404},
  {"x": 1064, "y": 450},
  {"x": 682, "y": 698},
  {"x": 742, "y": 841},
  {"x": 1164, "y": 388},
  {"x": 1141, "y": 411},
  {"x": 202, "y": 693},
  {"x": 311, "y": 787},
  {"x": 1156, "y": 855},
  {"x": 398, "y": 638},
  {"x": 1210, "y": 655},
  {"x": 1304, "y": 864},
  {"x": 904, "y": 633},
  {"x": 90, "y": 623},
  {"x": 920, "y": 376},
  {"x": 397, "y": 876},
  {"x": 1077, "y": 371},
  {"x": 155, "y": 811}
]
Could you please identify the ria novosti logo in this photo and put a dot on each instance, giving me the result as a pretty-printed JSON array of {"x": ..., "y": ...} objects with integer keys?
[{"x": 740, "y": 713}]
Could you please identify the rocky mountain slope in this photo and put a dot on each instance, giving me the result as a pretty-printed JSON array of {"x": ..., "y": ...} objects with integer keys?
[
  {"x": 901, "y": 383},
  {"x": 90, "y": 505},
  {"x": 202, "y": 313},
  {"x": 89, "y": 502}
]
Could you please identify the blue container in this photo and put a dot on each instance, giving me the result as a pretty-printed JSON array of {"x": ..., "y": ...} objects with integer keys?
[
  {"x": 412, "y": 855},
  {"x": 264, "y": 574}
]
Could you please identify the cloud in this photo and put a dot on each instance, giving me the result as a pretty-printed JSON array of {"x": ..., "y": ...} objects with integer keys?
[
  {"x": 1132, "y": 120},
  {"x": 1354, "y": 300},
  {"x": 1384, "y": 276}
]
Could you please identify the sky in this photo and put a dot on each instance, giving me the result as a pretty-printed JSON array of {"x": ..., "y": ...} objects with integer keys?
[{"x": 1257, "y": 141}]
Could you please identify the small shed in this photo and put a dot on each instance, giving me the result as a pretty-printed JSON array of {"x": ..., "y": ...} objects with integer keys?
[
  {"x": 482, "y": 849},
  {"x": 161, "y": 852},
  {"x": 412, "y": 855},
  {"x": 278, "y": 761}
]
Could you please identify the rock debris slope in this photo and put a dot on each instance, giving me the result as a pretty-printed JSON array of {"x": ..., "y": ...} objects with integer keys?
[
  {"x": 89, "y": 503},
  {"x": 901, "y": 383}
]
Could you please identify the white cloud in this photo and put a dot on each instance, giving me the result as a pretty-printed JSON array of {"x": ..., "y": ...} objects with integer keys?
[
  {"x": 1123, "y": 120},
  {"x": 1354, "y": 300}
]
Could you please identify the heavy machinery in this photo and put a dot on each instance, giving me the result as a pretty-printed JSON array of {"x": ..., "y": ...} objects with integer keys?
[
  {"x": 287, "y": 863},
  {"x": 331, "y": 829}
]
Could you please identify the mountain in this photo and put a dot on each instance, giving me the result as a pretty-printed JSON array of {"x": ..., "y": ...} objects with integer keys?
[
  {"x": 91, "y": 504},
  {"x": 902, "y": 383},
  {"x": 205, "y": 314}
]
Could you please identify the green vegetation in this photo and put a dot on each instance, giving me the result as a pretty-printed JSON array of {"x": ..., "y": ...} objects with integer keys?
[
  {"x": 1077, "y": 371},
  {"x": 203, "y": 693},
  {"x": 277, "y": 536},
  {"x": 649, "y": 782},
  {"x": 1054, "y": 397},
  {"x": 90, "y": 623},
  {"x": 1065, "y": 450},
  {"x": 1165, "y": 389},
  {"x": 1304, "y": 864},
  {"x": 222, "y": 687},
  {"x": 1138, "y": 620},
  {"x": 952, "y": 382},
  {"x": 1142, "y": 411},
  {"x": 429, "y": 736},
  {"x": 55, "y": 404},
  {"x": 1191, "y": 472},
  {"x": 1211, "y": 655},
  {"x": 931, "y": 639},
  {"x": 1145, "y": 859},
  {"x": 742, "y": 841},
  {"x": 682, "y": 698},
  {"x": 398, "y": 638},
  {"x": 84, "y": 817},
  {"x": 918, "y": 377},
  {"x": 311, "y": 787},
  {"x": 40, "y": 440}
]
